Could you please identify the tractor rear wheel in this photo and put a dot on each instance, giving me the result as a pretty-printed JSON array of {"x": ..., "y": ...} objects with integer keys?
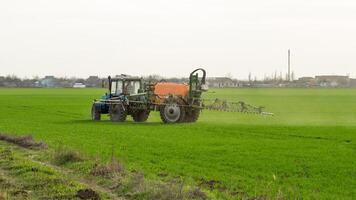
[
  {"x": 193, "y": 115},
  {"x": 117, "y": 113},
  {"x": 95, "y": 113},
  {"x": 140, "y": 116},
  {"x": 193, "y": 112},
  {"x": 173, "y": 111}
]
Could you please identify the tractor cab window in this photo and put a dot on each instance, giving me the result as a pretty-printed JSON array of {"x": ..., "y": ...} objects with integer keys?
[
  {"x": 132, "y": 87},
  {"x": 116, "y": 87}
]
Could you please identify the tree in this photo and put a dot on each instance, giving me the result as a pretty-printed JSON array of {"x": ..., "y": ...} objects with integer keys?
[{"x": 229, "y": 75}]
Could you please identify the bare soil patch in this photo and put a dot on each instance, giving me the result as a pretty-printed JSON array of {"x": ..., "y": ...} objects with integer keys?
[
  {"x": 23, "y": 141},
  {"x": 88, "y": 194}
]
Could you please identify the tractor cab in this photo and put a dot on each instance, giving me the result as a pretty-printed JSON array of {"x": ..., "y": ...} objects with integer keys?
[{"x": 124, "y": 85}]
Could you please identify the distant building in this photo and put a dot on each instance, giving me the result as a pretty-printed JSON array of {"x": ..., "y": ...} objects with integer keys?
[
  {"x": 222, "y": 82},
  {"x": 2, "y": 81},
  {"x": 38, "y": 84},
  {"x": 79, "y": 85},
  {"x": 352, "y": 82},
  {"x": 305, "y": 79},
  {"x": 305, "y": 82},
  {"x": 332, "y": 81},
  {"x": 93, "y": 81},
  {"x": 28, "y": 83},
  {"x": 48, "y": 81}
]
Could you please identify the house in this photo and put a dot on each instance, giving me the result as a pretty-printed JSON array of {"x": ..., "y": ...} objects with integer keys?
[
  {"x": 79, "y": 85},
  {"x": 332, "y": 81},
  {"x": 305, "y": 82},
  {"x": 48, "y": 81}
]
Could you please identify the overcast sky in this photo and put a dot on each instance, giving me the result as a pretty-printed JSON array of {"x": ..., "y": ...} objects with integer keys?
[{"x": 171, "y": 38}]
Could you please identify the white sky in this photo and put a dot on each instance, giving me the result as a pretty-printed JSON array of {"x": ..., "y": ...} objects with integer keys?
[{"x": 171, "y": 38}]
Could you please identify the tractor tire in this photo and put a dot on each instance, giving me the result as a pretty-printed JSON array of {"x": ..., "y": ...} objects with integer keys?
[
  {"x": 95, "y": 113},
  {"x": 193, "y": 115},
  {"x": 173, "y": 111},
  {"x": 140, "y": 116},
  {"x": 117, "y": 113}
]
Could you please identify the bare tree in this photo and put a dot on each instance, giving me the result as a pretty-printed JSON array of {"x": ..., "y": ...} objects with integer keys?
[{"x": 229, "y": 75}]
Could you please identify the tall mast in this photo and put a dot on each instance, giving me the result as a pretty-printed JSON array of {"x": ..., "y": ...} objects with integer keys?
[{"x": 289, "y": 65}]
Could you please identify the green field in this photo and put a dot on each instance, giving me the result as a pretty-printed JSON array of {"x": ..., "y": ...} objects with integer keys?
[{"x": 307, "y": 150}]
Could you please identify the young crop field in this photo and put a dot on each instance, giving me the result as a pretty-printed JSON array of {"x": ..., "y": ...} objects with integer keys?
[{"x": 307, "y": 150}]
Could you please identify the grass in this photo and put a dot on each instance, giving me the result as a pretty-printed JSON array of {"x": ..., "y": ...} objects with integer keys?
[
  {"x": 22, "y": 178},
  {"x": 26, "y": 173},
  {"x": 307, "y": 150},
  {"x": 63, "y": 156}
]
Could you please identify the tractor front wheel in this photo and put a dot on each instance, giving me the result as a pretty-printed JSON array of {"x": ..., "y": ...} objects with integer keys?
[
  {"x": 140, "y": 116},
  {"x": 118, "y": 113},
  {"x": 173, "y": 111},
  {"x": 95, "y": 113}
]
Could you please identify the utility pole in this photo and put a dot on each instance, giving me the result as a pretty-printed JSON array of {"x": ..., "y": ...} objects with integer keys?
[{"x": 289, "y": 65}]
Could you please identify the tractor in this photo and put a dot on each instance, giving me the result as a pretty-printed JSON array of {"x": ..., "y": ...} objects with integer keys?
[{"x": 176, "y": 102}]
